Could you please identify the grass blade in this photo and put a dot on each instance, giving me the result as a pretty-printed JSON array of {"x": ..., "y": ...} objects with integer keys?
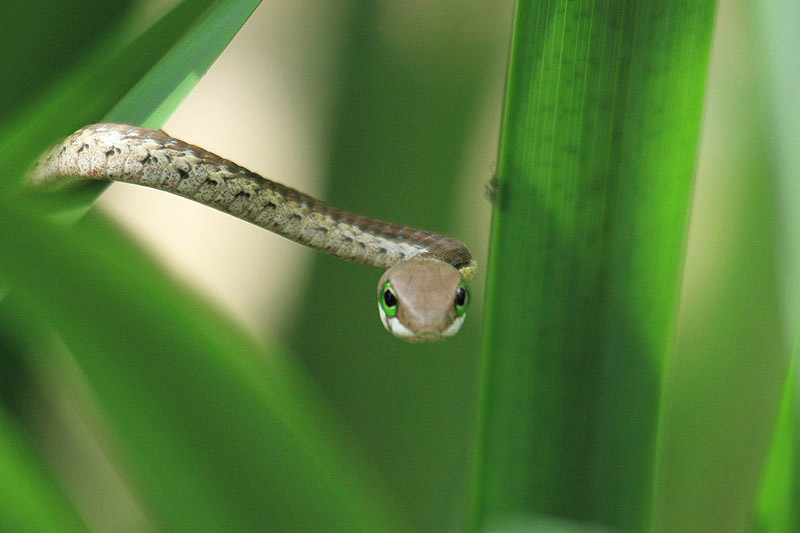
[
  {"x": 30, "y": 500},
  {"x": 213, "y": 434},
  {"x": 597, "y": 154},
  {"x": 153, "y": 99},
  {"x": 777, "y": 507},
  {"x": 175, "y": 51},
  {"x": 43, "y": 40},
  {"x": 400, "y": 132},
  {"x": 731, "y": 358}
]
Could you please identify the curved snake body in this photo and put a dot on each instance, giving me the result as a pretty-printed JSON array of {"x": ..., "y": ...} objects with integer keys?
[{"x": 154, "y": 159}]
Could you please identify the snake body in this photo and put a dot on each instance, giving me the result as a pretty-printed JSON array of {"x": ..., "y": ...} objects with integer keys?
[{"x": 154, "y": 159}]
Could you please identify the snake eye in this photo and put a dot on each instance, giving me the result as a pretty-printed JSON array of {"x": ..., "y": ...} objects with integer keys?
[
  {"x": 388, "y": 300},
  {"x": 462, "y": 298}
]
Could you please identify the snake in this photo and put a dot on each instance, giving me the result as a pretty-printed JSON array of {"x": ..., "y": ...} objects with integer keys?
[{"x": 423, "y": 294}]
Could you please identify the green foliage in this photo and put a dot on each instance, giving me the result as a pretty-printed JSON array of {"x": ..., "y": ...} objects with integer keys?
[
  {"x": 777, "y": 505},
  {"x": 586, "y": 422},
  {"x": 596, "y": 165},
  {"x": 29, "y": 498},
  {"x": 213, "y": 432},
  {"x": 99, "y": 79},
  {"x": 250, "y": 441},
  {"x": 403, "y": 116}
]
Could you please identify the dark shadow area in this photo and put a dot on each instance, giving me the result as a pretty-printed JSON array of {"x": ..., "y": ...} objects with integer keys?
[{"x": 61, "y": 32}]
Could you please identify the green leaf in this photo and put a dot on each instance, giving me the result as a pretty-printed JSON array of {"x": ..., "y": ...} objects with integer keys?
[
  {"x": 601, "y": 123},
  {"x": 152, "y": 73},
  {"x": 731, "y": 356},
  {"x": 42, "y": 40},
  {"x": 405, "y": 121},
  {"x": 543, "y": 524},
  {"x": 212, "y": 432},
  {"x": 153, "y": 99},
  {"x": 778, "y": 71},
  {"x": 30, "y": 499},
  {"x": 777, "y": 507},
  {"x": 139, "y": 83}
]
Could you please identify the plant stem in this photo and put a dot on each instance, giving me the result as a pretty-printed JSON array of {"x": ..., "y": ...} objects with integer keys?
[{"x": 597, "y": 154}]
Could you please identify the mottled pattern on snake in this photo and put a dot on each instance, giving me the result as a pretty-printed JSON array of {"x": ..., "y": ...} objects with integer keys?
[{"x": 154, "y": 159}]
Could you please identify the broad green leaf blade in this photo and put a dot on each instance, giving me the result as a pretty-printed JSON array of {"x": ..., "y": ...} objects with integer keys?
[
  {"x": 597, "y": 153},
  {"x": 213, "y": 433},
  {"x": 30, "y": 499}
]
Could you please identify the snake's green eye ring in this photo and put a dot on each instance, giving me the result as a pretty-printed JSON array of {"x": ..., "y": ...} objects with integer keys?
[
  {"x": 462, "y": 298},
  {"x": 388, "y": 300}
]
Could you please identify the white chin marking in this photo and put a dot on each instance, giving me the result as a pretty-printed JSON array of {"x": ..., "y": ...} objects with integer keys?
[
  {"x": 453, "y": 328},
  {"x": 396, "y": 328},
  {"x": 394, "y": 325},
  {"x": 399, "y": 330}
]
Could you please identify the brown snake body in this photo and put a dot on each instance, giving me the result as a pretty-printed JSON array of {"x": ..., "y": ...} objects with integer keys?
[{"x": 154, "y": 159}]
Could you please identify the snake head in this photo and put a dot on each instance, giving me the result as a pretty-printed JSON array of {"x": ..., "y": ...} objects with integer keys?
[{"x": 422, "y": 300}]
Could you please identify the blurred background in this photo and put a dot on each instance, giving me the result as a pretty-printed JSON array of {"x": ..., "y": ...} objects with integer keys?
[
  {"x": 386, "y": 109},
  {"x": 393, "y": 110}
]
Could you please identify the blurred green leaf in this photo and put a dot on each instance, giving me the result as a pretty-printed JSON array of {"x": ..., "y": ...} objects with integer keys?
[
  {"x": 543, "y": 524},
  {"x": 153, "y": 99},
  {"x": 730, "y": 360},
  {"x": 778, "y": 72},
  {"x": 30, "y": 499},
  {"x": 413, "y": 88},
  {"x": 214, "y": 433},
  {"x": 775, "y": 42},
  {"x": 778, "y": 509},
  {"x": 175, "y": 52},
  {"x": 139, "y": 83},
  {"x": 601, "y": 124},
  {"x": 42, "y": 40}
]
